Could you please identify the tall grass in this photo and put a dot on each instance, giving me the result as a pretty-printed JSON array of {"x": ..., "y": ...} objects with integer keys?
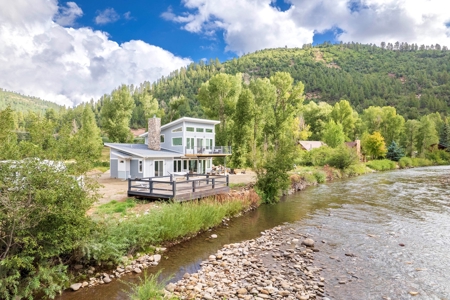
[
  {"x": 114, "y": 238},
  {"x": 381, "y": 165},
  {"x": 148, "y": 289}
]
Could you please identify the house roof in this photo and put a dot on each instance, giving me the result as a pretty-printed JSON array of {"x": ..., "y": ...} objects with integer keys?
[
  {"x": 141, "y": 150},
  {"x": 185, "y": 119},
  {"x": 308, "y": 145}
]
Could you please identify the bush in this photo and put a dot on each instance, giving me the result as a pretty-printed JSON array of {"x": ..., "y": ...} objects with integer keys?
[
  {"x": 421, "y": 162},
  {"x": 342, "y": 157},
  {"x": 149, "y": 288},
  {"x": 381, "y": 165},
  {"x": 405, "y": 162},
  {"x": 321, "y": 176},
  {"x": 356, "y": 169},
  {"x": 316, "y": 157},
  {"x": 440, "y": 157}
]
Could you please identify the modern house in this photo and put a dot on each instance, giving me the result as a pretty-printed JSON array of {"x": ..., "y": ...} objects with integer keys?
[
  {"x": 309, "y": 145},
  {"x": 184, "y": 146}
]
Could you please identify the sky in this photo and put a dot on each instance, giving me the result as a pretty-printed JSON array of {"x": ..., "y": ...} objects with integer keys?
[{"x": 71, "y": 52}]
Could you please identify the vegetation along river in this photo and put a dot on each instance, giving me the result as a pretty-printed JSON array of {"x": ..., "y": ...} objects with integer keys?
[{"x": 380, "y": 236}]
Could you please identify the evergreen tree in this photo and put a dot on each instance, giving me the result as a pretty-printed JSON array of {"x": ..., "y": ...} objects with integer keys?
[{"x": 394, "y": 152}]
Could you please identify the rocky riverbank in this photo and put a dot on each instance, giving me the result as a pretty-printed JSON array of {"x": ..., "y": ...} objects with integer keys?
[{"x": 277, "y": 265}]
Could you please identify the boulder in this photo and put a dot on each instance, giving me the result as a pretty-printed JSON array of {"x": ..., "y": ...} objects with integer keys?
[
  {"x": 308, "y": 242},
  {"x": 76, "y": 286}
]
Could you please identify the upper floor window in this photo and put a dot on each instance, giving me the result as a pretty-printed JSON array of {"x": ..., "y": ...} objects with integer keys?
[
  {"x": 209, "y": 130},
  {"x": 179, "y": 129},
  {"x": 199, "y": 129},
  {"x": 190, "y": 129},
  {"x": 177, "y": 141},
  {"x": 161, "y": 138}
]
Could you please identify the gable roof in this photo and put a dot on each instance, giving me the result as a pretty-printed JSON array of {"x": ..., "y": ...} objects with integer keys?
[
  {"x": 308, "y": 145},
  {"x": 141, "y": 150},
  {"x": 185, "y": 119}
]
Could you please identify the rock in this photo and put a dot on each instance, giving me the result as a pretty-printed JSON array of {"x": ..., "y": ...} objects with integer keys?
[
  {"x": 84, "y": 284},
  {"x": 78, "y": 267},
  {"x": 242, "y": 291},
  {"x": 308, "y": 242},
  {"x": 207, "y": 297},
  {"x": 214, "y": 236},
  {"x": 106, "y": 279},
  {"x": 137, "y": 270},
  {"x": 76, "y": 286},
  {"x": 170, "y": 287},
  {"x": 212, "y": 258},
  {"x": 413, "y": 293},
  {"x": 157, "y": 257}
]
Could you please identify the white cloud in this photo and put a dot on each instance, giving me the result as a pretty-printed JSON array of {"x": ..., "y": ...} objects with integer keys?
[
  {"x": 68, "y": 15},
  {"x": 250, "y": 25},
  {"x": 66, "y": 65},
  {"x": 106, "y": 16}
]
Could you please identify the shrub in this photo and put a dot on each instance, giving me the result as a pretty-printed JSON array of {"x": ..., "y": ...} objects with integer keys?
[
  {"x": 316, "y": 157},
  {"x": 149, "y": 288},
  {"x": 421, "y": 162},
  {"x": 381, "y": 165},
  {"x": 440, "y": 157},
  {"x": 356, "y": 169},
  {"x": 321, "y": 176},
  {"x": 405, "y": 162},
  {"x": 343, "y": 157}
]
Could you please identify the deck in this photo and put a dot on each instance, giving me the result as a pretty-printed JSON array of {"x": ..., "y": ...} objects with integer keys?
[{"x": 179, "y": 188}]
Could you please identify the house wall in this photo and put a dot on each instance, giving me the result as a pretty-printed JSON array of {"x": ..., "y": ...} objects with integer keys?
[
  {"x": 134, "y": 168},
  {"x": 168, "y": 135},
  {"x": 149, "y": 166},
  {"x": 113, "y": 168}
]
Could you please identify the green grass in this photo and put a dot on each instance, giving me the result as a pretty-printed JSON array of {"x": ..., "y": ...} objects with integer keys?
[
  {"x": 356, "y": 169},
  {"x": 149, "y": 288},
  {"x": 237, "y": 185},
  {"x": 381, "y": 165},
  {"x": 116, "y": 207}
]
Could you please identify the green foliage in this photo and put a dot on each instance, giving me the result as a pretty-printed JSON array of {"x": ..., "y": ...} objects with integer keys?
[
  {"x": 343, "y": 157},
  {"x": 381, "y": 165},
  {"x": 427, "y": 135},
  {"x": 22, "y": 103},
  {"x": 8, "y": 138},
  {"x": 242, "y": 120},
  {"x": 149, "y": 288},
  {"x": 421, "y": 162},
  {"x": 440, "y": 157},
  {"x": 320, "y": 176},
  {"x": 373, "y": 145},
  {"x": 356, "y": 169},
  {"x": 116, "y": 207},
  {"x": 394, "y": 152},
  {"x": 343, "y": 113},
  {"x": 405, "y": 162},
  {"x": 333, "y": 134},
  {"x": 43, "y": 220},
  {"x": 316, "y": 157}
]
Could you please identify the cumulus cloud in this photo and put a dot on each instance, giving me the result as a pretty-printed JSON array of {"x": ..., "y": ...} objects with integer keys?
[
  {"x": 66, "y": 65},
  {"x": 249, "y": 25},
  {"x": 106, "y": 16},
  {"x": 67, "y": 15}
]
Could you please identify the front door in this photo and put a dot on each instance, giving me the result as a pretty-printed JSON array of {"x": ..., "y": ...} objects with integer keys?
[{"x": 159, "y": 168}]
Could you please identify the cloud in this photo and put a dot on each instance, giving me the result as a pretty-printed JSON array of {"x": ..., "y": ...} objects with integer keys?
[
  {"x": 106, "y": 16},
  {"x": 127, "y": 15},
  {"x": 40, "y": 57},
  {"x": 249, "y": 25},
  {"x": 67, "y": 15}
]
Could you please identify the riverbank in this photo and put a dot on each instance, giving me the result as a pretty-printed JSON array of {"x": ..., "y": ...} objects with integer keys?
[{"x": 278, "y": 264}]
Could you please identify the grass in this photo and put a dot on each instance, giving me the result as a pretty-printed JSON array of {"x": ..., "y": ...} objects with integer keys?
[
  {"x": 237, "y": 185},
  {"x": 382, "y": 165},
  {"x": 149, "y": 288},
  {"x": 116, "y": 207}
]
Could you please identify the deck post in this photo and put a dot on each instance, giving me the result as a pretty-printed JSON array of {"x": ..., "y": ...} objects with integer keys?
[
  {"x": 151, "y": 186},
  {"x": 207, "y": 179},
  {"x": 171, "y": 177},
  {"x": 174, "y": 188},
  {"x": 228, "y": 180},
  {"x": 129, "y": 184},
  {"x": 213, "y": 183},
  {"x": 193, "y": 186}
]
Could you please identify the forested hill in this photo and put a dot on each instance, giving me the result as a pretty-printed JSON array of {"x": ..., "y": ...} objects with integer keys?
[
  {"x": 413, "y": 79},
  {"x": 22, "y": 103}
]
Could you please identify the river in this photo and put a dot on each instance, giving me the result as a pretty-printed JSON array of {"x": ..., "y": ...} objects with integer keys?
[{"x": 380, "y": 236}]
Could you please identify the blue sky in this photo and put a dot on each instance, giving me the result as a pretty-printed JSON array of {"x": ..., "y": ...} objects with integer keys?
[{"x": 73, "y": 51}]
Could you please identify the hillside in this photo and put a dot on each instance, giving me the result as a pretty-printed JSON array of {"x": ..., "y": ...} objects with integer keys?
[
  {"x": 21, "y": 103},
  {"x": 413, "y": 79}
]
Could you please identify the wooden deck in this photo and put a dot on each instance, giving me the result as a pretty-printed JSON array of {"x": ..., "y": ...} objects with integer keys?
[{"x": 183, "y": 188}]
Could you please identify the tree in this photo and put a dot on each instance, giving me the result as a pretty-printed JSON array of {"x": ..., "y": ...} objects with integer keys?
[
  {"x": 343, "y": 157},
  {"x": 410, "y": 136},
  {"x": 42, "y": 221},
  {"x": 394, "y": 152},
  {"x": 343, "y": 113},
  {"x": 8, "y": 138},
  {"x": 333, "y": 134},
  {"x": 316, "y": 116},
  {"x": 242, "y": 128},
  {"x": 373, "y": 145},
  {"x": 426, "y": 135},
  {"x": 116, "y": 114},
  {"x": 218, "y": 98}
]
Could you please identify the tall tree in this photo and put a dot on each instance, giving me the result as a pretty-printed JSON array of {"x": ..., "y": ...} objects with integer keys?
[
  {"x": 116, "y": 114},
  {"x": 316, "y": 117},
  {"x": 410, "y": 136},
  {"x": 374, "y": 145},
  {"x": 333, "y": 134},
  {"x": 343, "y": 113},
  {"x": 242, "y": 128},
  {"x": 218, "y": 98},
  {"x": 8, "y": 138},
  {"x": 426, "y": 136}
]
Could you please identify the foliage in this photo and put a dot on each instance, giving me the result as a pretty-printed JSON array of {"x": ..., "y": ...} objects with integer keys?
[
  {"x": 381, "y": 165},
  {"x": 333, "y": 134},
  {"x": 316, "y": 157},
  {"x": 149, "y": 288},
  {"x": 22, "y": 103},
  {"x": 343, "y": 113},
  {"x": 373, "y": 145},
  {"x": 116, "y": 207},
  {"x": 320, "y": 176},
  {"x": 8, "y": 139},
  {"x": 356, "y": 169},
  {"x": 43, "y": 219},
  {"x": 394, "y": 152},
  {"x": 242, "y": 120},
  {"x": 426, "y": 135},
  {"x": 440, "y": 157},
  {"x": 405, "y": 162},
  {"x": 421, "y": 162},
  {"x": 410, "y": 136},
  {"x": 343, "y": 157}
]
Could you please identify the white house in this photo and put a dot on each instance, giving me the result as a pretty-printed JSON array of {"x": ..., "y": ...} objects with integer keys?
[{"x": 186, "y": 145}]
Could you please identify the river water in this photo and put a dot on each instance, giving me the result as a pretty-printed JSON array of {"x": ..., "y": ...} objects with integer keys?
[{"x": 380, "y": 236}]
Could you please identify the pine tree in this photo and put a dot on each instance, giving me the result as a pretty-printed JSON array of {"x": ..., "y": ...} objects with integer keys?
[{"x": 394, "y": 152}]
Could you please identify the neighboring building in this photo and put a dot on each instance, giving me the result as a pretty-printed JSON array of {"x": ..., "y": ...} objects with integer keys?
[
  {"x": 309, "y": 145},
  {"x": 355, "y": 145},
  {"x": 186, "y": 145}
]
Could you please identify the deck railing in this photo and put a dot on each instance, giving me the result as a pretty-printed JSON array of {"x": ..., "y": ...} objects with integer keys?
[
  {"x": 216, "y": 150},
  {"x": 168, "y": 187}
]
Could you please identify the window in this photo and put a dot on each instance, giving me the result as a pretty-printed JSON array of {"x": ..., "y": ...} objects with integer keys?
[
  {"x": 189, "y": 143},
  {"x": 177, "y": 141},
  {"x": 208, "y": 163},
  {"x": 209, "y": 130},
  {"x": 190, "y": 129},
  {"x": 177, "y": 165},
  {"x": 199, "y": 129},
  {"x": 185, "y": 164},
  {"x": 140, "y": 166},
  {"x": 209, "y": 144},
  {"x": 179, "y": 129},
  {"x": 121, "y": 161},
  {"x": 161, "y": 138}
]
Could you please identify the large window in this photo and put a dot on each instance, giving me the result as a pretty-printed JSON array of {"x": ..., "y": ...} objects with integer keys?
[
  {"x": 208, "y": 130},
  {"x": 190, "y": 129},
  {"x": 177, "y": 165},
  {"x": 161, "y": 138},
  {"x": 177, "y": 141},
  {"x": 209, "y": 144},
  {"x": 199, "y": 129}
]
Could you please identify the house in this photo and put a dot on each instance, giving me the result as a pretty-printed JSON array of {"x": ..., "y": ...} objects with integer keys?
[
  {"x": 355, "y": 145},
  {"x": 309, "y": 145},
  {"x": 186, "y": 145}
]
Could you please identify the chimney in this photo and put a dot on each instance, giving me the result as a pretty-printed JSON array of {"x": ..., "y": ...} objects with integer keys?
[{"x": 154, "y": 133}]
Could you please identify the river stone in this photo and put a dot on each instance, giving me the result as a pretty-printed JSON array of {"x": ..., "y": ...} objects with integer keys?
[
  {"x": 84, "y": 284},
  {"x": 157, "y": 257},
  {"x": 308, "y": 242},
  {"x": 106, "y": 279},
  {"x": 170, "y": 287},
  {"x": 78, "y": 267},
  {"x": 208, "y": 297},
  {"x": 137, "y": 270},
  {"x": 75, "y": 286},
  {"x": 242, "y": 291},
  {"x": 214, "y": 236}
]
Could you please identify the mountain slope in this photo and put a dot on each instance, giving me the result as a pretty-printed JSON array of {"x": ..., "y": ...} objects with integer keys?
[{"x": 21, "y": 103}]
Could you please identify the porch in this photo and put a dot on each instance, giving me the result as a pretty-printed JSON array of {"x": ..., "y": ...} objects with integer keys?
[
  {"x": 179, "y": 187},
  {"x": 208, "y": 151}
]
